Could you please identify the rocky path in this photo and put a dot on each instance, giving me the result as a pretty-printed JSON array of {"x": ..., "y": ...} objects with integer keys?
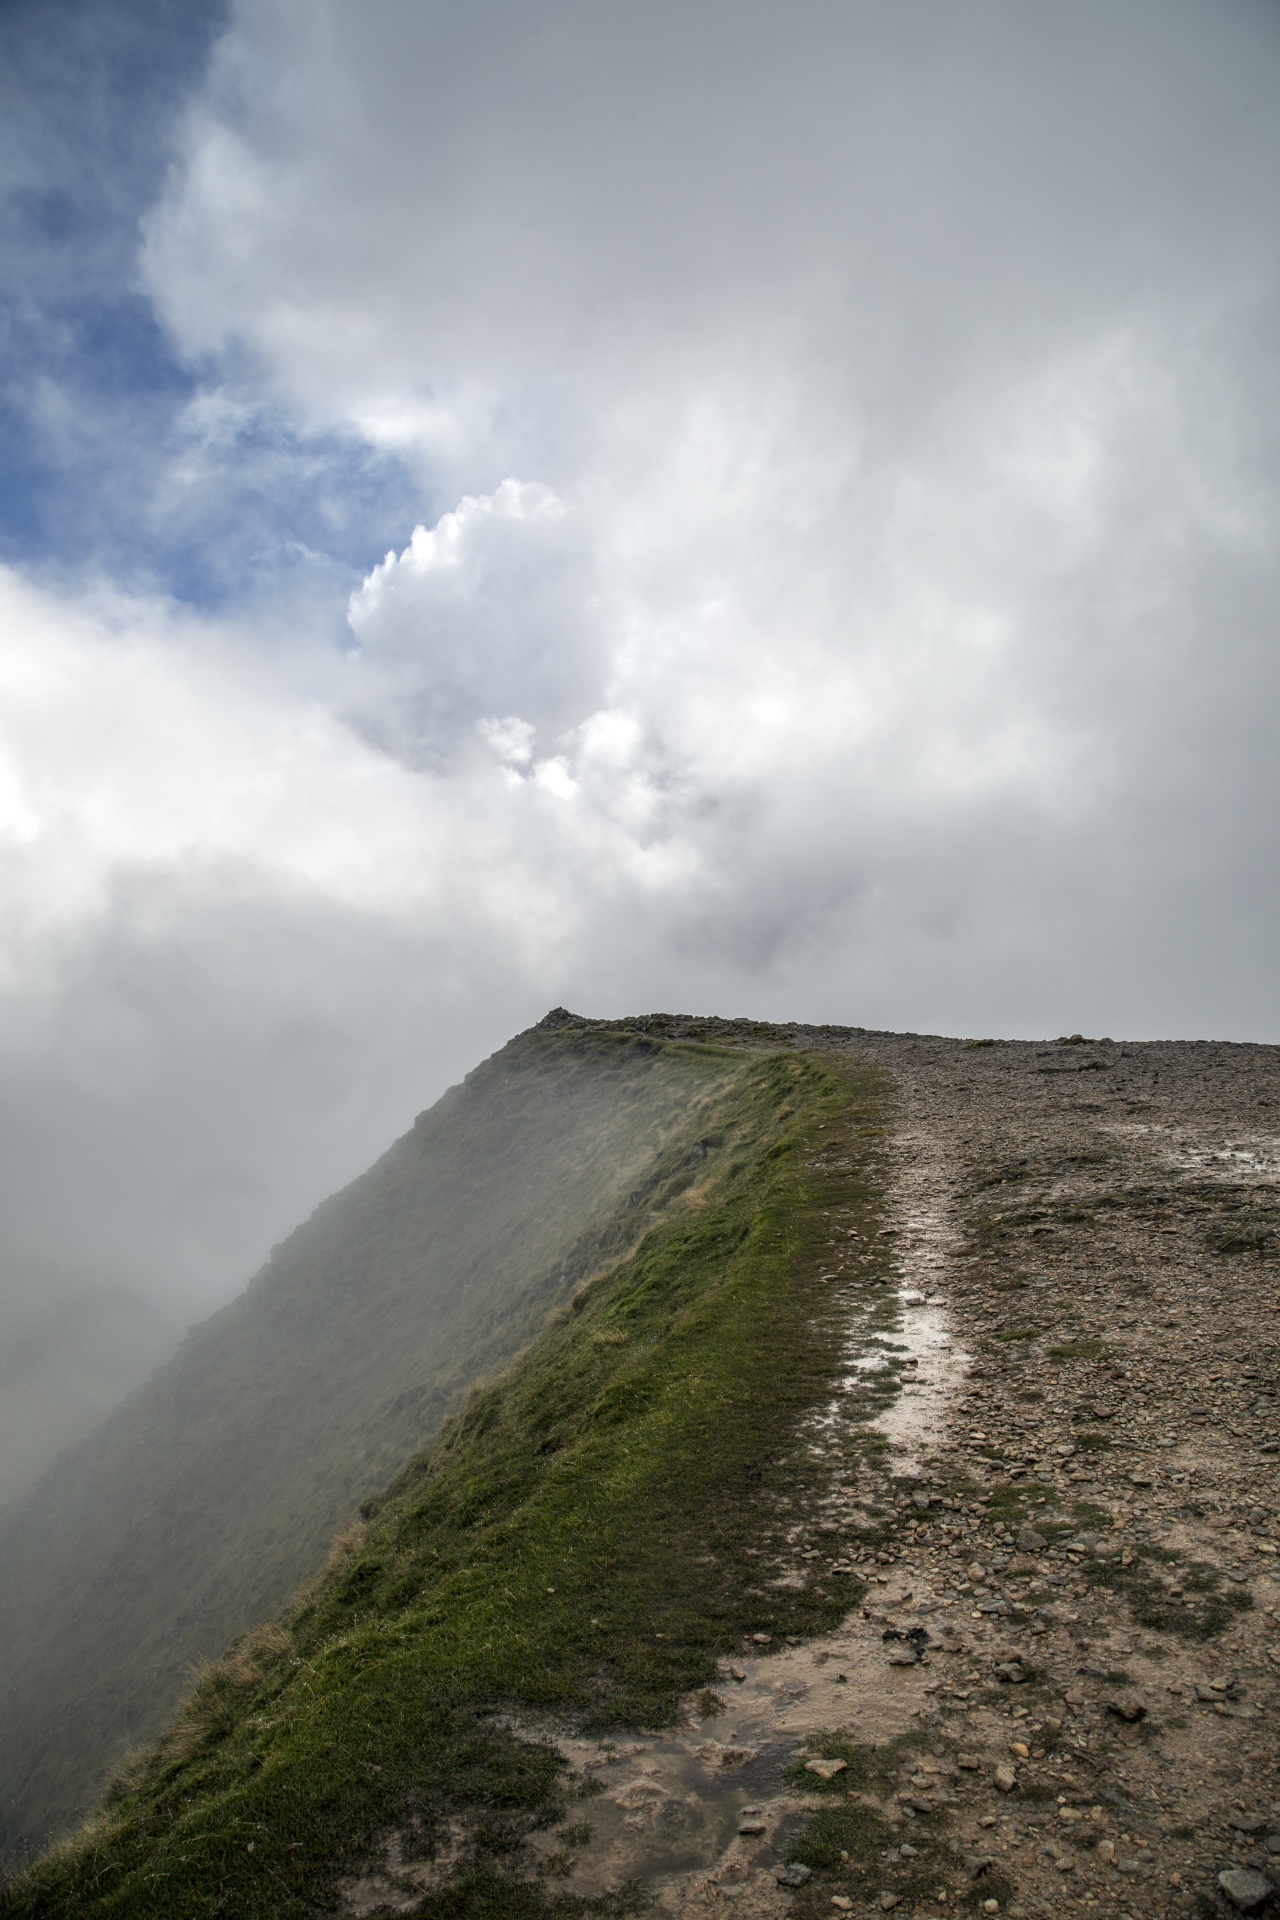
[{"x": 1059, "y": 1692}]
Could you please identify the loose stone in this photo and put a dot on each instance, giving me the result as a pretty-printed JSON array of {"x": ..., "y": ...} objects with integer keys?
[{"x": 1245, "y": 1888}]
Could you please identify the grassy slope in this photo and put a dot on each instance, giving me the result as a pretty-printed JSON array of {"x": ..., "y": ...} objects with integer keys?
[
  {"x": 577, "y": 1542},
  {"x": 199, "y": 1506}
]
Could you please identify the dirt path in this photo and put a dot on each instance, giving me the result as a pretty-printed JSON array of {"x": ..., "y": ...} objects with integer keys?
[{"x": 1077, "y": 1511}]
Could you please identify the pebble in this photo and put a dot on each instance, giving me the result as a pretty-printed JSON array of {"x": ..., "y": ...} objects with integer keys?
[
  {"x": 1127, "y": 1705},
  {"x": 1245, "y": 1888}
]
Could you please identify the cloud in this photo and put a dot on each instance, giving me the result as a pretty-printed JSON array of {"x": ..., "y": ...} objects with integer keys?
[
  {"x": 825, "y": 462},
  {"x": 488, "y": 610}
]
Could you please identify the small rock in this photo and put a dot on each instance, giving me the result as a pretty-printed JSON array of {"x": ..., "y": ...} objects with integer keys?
[
  {"x": 737, "y": 1673},
  {"x": 825, "y": 1769},
  {"x": 968, "y": 1761},
  {"x": 1021, "y": 1748},
  {"x": 991, "y": 1906},
  {"x": 904, "y": 1657},
  {"x": 842, "y": 1903},
  {"x": 1069, "y": 1815},
  {"x": 977, "y": 1571},
  {"x": 793, "y": 1874},
  {"x": 1127, "y": 1705},
  {"x": 763, "y": 1639},
  {"x": 1245, "y": 1888},
  {"x": 976, "y": 1864},
  {"x": 1004, "y": 1779},
  {"x": 887, "y": 1900},
  {"x": 1246, "y": 1823},
  {"x": 1107, "y": 1851},
  {"x": 639, "y": 1793},
  {"x": 1029, "y": 1541},
  {"x": 1011, "y": 1673},
  {"x": 751, "y": 1823}
]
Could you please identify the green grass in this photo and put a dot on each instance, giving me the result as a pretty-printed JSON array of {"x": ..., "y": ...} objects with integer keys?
[
  {"x": 1208, "y": 1608},
  {"x": 1086, "y": 1349},
  {"x": 573, "y": 1548}
]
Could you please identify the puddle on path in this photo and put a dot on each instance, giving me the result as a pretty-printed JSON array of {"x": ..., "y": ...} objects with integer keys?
[
  {"x": 672, "y": 1804},
  {"x": 914, "y": 1422},
  {"x": 926, "y": 1238},
  {"x": 1244, "y": 1157}
]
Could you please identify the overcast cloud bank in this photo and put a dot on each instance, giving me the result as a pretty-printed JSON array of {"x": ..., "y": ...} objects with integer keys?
[{"x": 840, "y": 580}]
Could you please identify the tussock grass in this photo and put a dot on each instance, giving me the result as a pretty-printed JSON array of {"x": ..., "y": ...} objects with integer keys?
[{"x": 575, "y": 1547}]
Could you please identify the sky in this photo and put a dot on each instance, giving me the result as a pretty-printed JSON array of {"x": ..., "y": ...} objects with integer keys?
[{"x": 702, "y": 506}]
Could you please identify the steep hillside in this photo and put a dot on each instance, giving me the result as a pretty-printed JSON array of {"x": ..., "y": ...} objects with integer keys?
[
  {"x": 892, "y": 1528},
  {"x": 203, "y": 1501},
  {"x": 583, "y": 1540}
]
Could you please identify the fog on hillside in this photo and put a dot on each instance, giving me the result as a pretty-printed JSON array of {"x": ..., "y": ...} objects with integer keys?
[{"x": 201, "y": 1503}]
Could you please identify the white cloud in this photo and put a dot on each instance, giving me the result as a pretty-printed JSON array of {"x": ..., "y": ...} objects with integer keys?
[
  {"x": 489, "y": 610},
  {"x": 845, "y": 582}
]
